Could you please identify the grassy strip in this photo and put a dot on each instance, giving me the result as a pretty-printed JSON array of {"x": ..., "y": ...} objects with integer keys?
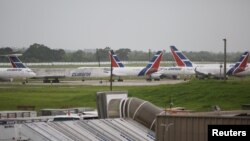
[{"x": 194, "y": 95}]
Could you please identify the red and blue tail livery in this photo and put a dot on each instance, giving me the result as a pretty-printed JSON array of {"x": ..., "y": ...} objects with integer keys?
[
  {"x": 115, "y": 60},
  {"x": 180, "y": 58},
  {"x": 153, "y": 65},
  {"x": 240, "y": 65},
  {"x": 16, "y": 62}
]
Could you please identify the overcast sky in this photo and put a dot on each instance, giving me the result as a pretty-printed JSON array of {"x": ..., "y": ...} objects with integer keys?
[{"x": 191, "y": 25}]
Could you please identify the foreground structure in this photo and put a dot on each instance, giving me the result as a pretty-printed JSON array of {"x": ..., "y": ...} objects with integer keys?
[{"x": 125, "y": 119}]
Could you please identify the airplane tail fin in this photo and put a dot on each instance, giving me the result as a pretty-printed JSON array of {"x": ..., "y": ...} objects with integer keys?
[
  {"x": 115, "y": 60},
  {"x": 240, "y": 65},
  {"x": 180, "y": 58},
  {"x": 153, "y": 64},
  {"x": 15, "y": 61}
]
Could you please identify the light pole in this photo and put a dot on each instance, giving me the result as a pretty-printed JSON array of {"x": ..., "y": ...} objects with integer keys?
[
  {"x": 225, "y": 58},
  {"x": 111, "y": 74},
  {"x": 149, "y": 54},
  {"x": 220, "y": 71},
  {"x": 98, "y": 57}
]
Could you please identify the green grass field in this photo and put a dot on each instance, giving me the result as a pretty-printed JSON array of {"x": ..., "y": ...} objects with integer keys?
[{"x": 199, "y": 95}]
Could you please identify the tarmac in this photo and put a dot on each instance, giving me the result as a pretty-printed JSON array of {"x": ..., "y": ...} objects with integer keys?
[
  {"x": 126, "y": 82},
  {"x": 107, "y": 83}
]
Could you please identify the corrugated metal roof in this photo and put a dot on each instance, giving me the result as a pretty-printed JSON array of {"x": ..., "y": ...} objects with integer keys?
[{"x": 81, "y": 130}]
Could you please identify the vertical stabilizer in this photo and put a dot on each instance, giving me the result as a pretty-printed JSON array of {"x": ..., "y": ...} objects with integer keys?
[
  {"x": 115, "y": 60},
  {"x": 16, "y": 62},
  {"x": 240, "y": 65},
  {"x": 153, "y": 65},
  {"x": 180, "y": 59}
]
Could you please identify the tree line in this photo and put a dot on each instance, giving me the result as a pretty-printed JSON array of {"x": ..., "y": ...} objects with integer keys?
[{"x": 41, "y": 53}]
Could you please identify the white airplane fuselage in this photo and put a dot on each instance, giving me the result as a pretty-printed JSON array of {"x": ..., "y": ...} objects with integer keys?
[
  {"x": 127, "y": 71},
  {"x": 105, "y": 71},
  {"x": 218, "y": 70},
  {"x": 213, "y": 71},
  {"x": 177, "y": 71},
  {"x": 90, "y": 72},
  {"x": 16, "y": 73}
]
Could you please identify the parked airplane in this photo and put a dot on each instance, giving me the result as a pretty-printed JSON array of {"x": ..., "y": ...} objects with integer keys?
[
  {"x": 19, "y": 70},
  {"x": 239, "y": 69},
  {"x": 98, "y": 72},
  {"x": 169, "y": 72},
  {"x": 184, "y": 69},
  {"x": 119, "y": 70},
  {"x": 215, "y": 70},
  {"x": 45, "y": 74}
]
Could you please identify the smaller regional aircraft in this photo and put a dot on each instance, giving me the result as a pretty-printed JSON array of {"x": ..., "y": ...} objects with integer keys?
[
  {"x": 46, "y": 75},
  {"x": 215, "y": 70},
  {"x": 19, "y": 70},
  {"x": 119, "y": 69}
]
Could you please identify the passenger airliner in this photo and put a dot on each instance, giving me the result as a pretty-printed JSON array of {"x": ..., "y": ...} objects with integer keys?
[
  {"x": 48, "y": 74},
  {"x": 184, "y": 69},
  {"x": 19, "y": 70},
  {"x": 238, "y": 69},
  {"x": 119, "y": 69},
  {"x": 169, "y": 72}
]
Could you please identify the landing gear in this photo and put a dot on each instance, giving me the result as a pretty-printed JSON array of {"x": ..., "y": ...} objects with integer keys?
[
  {"x": 25, "y": 80},
  {"x": 56, "y": 81},
  {"x": 46, "y": 80},
  {"x": 112, "y": 80},
  {"x": 149, "y": 79},
  {"x": 157, "y": 79},
  {"x": 120, "y": 79}
]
